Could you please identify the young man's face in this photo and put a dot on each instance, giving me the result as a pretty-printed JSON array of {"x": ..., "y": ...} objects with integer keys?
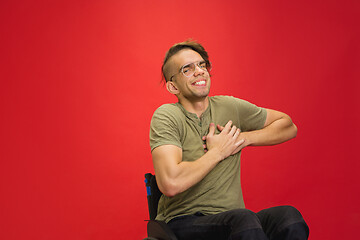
[{"x": 192, "y": 87}]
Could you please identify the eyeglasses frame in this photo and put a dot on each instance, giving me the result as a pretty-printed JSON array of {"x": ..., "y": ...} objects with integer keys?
[{"x": 208, "y": 69}]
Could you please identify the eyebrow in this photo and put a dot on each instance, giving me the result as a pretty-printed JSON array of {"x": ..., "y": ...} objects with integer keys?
[
  {"x": 186, "y": 65},
  {"x": 201, "y": 61}
]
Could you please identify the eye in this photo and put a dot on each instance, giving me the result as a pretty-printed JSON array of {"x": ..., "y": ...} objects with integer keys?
[
  {"x": 187, "y": 68},
  {"x": 202, "y": 65}
]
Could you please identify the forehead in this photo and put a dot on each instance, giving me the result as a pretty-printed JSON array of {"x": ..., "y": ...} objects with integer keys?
[{"x": 185, "y": 56}]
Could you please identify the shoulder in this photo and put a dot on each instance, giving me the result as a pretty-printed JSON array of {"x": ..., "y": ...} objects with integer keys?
[
  {"x": 230, "y": 100},
  {"x": 167, "y": 114},
  {"x": 166, "y": 126},
  {"x": 169, "y": 109},
  {"x": 230, "y": 103}
]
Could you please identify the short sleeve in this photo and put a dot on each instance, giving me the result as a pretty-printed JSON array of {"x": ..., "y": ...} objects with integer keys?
[
  {"x": 251, "y": 116},
  {"x": 165, "y": 127}
]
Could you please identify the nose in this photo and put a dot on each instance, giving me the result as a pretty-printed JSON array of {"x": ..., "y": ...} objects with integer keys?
[{"x": 198, "y": 70}]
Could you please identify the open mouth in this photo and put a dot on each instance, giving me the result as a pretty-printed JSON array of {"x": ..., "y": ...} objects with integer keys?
[{"x": 200, "y": 82}]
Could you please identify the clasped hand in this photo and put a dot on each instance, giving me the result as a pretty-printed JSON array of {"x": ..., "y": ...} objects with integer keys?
[{"x": 226, "y": 143}]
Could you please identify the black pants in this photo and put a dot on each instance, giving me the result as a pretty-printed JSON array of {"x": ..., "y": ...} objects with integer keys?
[{"x": 277, "y": 223}]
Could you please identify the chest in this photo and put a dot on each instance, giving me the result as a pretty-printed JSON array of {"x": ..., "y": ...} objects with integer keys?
[{"x": 194, "y": 129}]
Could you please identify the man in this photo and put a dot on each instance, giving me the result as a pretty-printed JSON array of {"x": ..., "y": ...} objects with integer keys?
[{"x": 196, "y": 145}]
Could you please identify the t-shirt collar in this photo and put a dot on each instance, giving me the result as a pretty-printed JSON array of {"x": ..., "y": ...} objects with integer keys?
[{"x": 193, "y": 115}]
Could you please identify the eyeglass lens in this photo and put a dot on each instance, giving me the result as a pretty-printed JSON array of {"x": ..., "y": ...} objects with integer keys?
[{"x": 189, "y": 69}]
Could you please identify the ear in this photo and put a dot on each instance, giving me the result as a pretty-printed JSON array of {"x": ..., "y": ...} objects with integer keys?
[{"x": 171, "y": 87}]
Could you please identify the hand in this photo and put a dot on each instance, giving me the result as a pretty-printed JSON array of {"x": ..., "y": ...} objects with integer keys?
[
  {"x": 241, "y": 136},
  {"x": 224, "y": 143}
]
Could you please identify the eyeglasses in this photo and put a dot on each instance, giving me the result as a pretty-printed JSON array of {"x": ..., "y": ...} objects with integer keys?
[{"x": 188, "y": 69}]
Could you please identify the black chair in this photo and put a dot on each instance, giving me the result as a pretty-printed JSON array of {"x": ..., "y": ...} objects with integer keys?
[{"x": 156, "y": 230}]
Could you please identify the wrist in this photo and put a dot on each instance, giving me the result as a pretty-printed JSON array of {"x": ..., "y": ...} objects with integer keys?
[
  {"x": 216, "y": 155},
  {"x": 248, "y": 140}
]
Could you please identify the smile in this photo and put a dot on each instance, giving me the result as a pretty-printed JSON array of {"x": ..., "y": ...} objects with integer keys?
[{"x": 200, "y": 83}]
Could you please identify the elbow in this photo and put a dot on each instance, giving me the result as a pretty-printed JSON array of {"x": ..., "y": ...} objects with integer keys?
[
  {"x": 294, "y": 131},
  {"x": 169, "y": 193},
  {"x": 169, "y": 188},
  {"x": 292, "y": 128}
]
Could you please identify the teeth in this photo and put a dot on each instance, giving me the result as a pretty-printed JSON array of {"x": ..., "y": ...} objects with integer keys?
[{"x": 200, "y": 83}]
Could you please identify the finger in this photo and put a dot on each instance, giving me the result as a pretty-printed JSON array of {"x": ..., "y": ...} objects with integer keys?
[
  {"x": 236, "y": 151},
  {"x": 228, "y": 126},
  {"x": 211, "y": 129},
  {"x": 237, "y": 133},
  {"x": 220, "y": 128},
  {"x": 238, "y": 143},
  {"x": 233, "y": 130},
  {"x": 204, "y": 146},
  {"x": 204, "y": 138}
]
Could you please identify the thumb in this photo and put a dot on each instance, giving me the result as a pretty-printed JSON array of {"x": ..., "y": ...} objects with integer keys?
[{"x": 211, "y": 129}]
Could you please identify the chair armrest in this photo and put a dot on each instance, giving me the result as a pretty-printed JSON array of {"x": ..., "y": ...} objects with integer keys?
[{"x": 160, "y": 230}]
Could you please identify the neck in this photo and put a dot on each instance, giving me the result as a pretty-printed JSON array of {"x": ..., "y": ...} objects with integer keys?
[{"x": 198, "y": 107}]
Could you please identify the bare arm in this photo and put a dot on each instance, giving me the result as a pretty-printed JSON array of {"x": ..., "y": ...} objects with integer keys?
[
  {"x": 175, "y": 176},
  {"x": 278, "y": 128}
]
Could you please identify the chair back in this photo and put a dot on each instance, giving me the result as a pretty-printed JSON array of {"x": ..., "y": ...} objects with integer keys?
[{"x": 153, "y": 194}]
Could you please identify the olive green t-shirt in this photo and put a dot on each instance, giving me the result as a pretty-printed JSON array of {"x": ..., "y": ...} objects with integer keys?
[{"x": 220, "y": 190}]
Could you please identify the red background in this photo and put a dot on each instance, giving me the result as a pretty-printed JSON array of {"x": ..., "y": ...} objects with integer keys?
[{"x": 81, "y": 79}]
